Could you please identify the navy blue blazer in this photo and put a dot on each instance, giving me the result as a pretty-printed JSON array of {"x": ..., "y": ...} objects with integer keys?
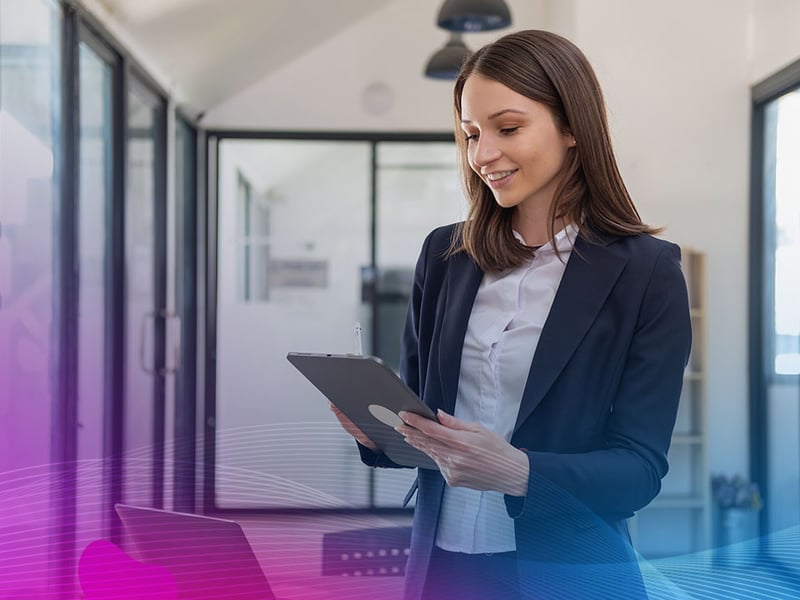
[{"x": 596, "y": 415}]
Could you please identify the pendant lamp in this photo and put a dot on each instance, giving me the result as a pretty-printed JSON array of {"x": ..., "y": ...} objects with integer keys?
[
  {"x": 459, "y": 16},
  {"x": 474, "y": 15},
  {"x": 446, "y": 62}
]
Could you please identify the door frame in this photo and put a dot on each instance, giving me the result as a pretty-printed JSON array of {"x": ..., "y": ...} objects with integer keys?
[{"x": 210, "y": 259}]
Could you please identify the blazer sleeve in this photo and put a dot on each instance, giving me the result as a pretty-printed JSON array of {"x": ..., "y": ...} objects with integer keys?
[
  {"x": 626, "y": 474},
  {"x": 409, "y": 351},
  {"x": 410, "y": 371}
]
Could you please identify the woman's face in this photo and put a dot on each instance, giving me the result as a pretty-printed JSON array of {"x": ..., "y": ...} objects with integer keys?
[{"x": 513, "y": 143}]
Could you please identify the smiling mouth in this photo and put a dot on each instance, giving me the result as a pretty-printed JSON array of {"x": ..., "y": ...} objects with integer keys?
[
  {"x": 499, "y": 175},
  {"x": 499, "y": 178}
]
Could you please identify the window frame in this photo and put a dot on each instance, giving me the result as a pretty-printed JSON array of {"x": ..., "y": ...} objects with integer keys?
[{"x": 761, "y": 328}]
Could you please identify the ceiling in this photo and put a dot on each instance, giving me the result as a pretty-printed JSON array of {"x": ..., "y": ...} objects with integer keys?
[{"x": 210, "y": 50}]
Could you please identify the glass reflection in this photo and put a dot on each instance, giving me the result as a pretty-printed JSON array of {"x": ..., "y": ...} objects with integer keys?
[{"x": 95, "y": 77}]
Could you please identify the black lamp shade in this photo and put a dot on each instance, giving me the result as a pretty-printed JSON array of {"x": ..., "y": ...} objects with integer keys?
[
  {"x": 474, "y": 15},
  {"x": 446, "y": 62}
]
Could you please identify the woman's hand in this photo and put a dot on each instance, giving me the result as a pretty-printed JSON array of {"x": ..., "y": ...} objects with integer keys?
[
  {"x": 468, "y": 454},
  {"x": 352, "y": 429}
]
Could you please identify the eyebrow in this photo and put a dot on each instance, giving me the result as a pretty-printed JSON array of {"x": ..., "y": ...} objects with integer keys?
[{"x": 499, "y": 113}]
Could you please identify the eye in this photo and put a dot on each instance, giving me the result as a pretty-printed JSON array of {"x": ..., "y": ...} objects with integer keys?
[
  {"x": 471, "y": 137},
  {"x": 509, "y": 130}
]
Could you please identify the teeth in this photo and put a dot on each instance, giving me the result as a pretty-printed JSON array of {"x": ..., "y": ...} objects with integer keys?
[{"x": 498, "y": 175}]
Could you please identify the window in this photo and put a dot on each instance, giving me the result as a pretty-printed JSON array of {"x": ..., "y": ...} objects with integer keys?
[
  {"x": 775, "y": 310},
  {"x": 784, "y": 115},
  {"x": 253, "y": 234}
]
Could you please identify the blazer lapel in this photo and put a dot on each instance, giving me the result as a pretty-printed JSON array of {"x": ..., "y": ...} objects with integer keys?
[
  {"x": 589, "y": 277},
  {"x": 463, "y": 280}
]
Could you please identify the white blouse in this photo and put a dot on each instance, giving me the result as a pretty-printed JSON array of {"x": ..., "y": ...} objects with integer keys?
[{"x": 504, "y": 326}]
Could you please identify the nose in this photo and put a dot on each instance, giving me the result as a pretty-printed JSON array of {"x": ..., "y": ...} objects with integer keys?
[{"x": 484, "y": 151}]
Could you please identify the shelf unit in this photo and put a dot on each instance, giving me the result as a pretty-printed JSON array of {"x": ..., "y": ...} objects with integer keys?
[{"x": 678, "y": 521}]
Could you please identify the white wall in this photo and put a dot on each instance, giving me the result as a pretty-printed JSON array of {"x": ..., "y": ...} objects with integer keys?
[
  {"x": 679, "y": 109},
  {"x": 324, "y": 88},
  {"x": 774, "y": 36}
]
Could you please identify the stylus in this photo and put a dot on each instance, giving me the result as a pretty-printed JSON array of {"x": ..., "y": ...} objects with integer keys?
[{"x": 358, "y": 346}]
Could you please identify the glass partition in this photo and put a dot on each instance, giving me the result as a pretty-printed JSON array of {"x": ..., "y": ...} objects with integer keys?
[
  {"x": 145, "y": 213},
  {"x": 30, "y": 140},
  {"x": 314, "y": 235},
  {"x": 418, "y": 189},
  {"x": 29, "y": 98},
  {"x": 185, "y": 303},
  {"x": 294, "y": 235},
  {"x": 94, "y": 201}
]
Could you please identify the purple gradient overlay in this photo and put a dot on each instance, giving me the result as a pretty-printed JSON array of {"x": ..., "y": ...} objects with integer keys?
[
  {"x": 289, "y": 555},
  {"x": 107, "y": 573}
]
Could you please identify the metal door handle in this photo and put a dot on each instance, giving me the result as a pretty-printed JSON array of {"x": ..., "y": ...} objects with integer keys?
[
  {"x": 172, "y": 316},
  {"x": 146, "y": 318}
]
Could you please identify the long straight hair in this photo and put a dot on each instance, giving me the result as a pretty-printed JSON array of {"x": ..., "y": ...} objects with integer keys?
[{"x": 549, "y": 69}]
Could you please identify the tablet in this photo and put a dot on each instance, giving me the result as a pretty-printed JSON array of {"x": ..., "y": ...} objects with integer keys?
[{"x": 371, "y": 395}]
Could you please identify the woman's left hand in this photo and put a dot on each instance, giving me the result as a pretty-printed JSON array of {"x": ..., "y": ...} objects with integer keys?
[{"x": 468, "y": 454}]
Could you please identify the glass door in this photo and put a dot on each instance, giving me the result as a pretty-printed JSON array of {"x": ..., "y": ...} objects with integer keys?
[
  {"x": 32, "y": 310},
  {"x": 293, "y": 242},
  {"x": 182, "y": 336},
  {"x": 314, "y": 235},
  {"x": 97, "y": 69},
  {"x": 145, "y": 297}
]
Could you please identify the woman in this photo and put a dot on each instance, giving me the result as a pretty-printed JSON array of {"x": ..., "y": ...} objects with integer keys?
[{"x": 550, "y": 331}]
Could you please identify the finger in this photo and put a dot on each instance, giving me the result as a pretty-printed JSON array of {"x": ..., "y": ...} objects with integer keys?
[
  {"x": 427, "y": 444},
  {"x": 416, "y": 442},
  {"x": 335, "y": 410},
  {"x": 419, "y": 422},
  {"x": 411, "y": 435},
  {"x": 435, "y": 431},
  {"x": 453, "y": 422},
  {"x": 430, "y": 445},
  {"x": 423, "y": 445}
]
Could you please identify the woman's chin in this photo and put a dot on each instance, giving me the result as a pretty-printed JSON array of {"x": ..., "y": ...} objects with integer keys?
[{"x": 505, "y": 202}]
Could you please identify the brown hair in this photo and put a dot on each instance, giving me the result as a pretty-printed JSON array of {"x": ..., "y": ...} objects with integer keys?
[{"x": 550, "y": 69}]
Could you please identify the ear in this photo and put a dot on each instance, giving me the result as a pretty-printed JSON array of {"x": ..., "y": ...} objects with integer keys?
[{"x": 569, "y": 137}]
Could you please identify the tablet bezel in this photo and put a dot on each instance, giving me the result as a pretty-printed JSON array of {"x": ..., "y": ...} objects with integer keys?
[{"x": 353, "y": 383}]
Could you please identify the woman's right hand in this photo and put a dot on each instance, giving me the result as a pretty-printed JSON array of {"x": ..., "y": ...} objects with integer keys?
[{"x": 352, "y": 429}]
